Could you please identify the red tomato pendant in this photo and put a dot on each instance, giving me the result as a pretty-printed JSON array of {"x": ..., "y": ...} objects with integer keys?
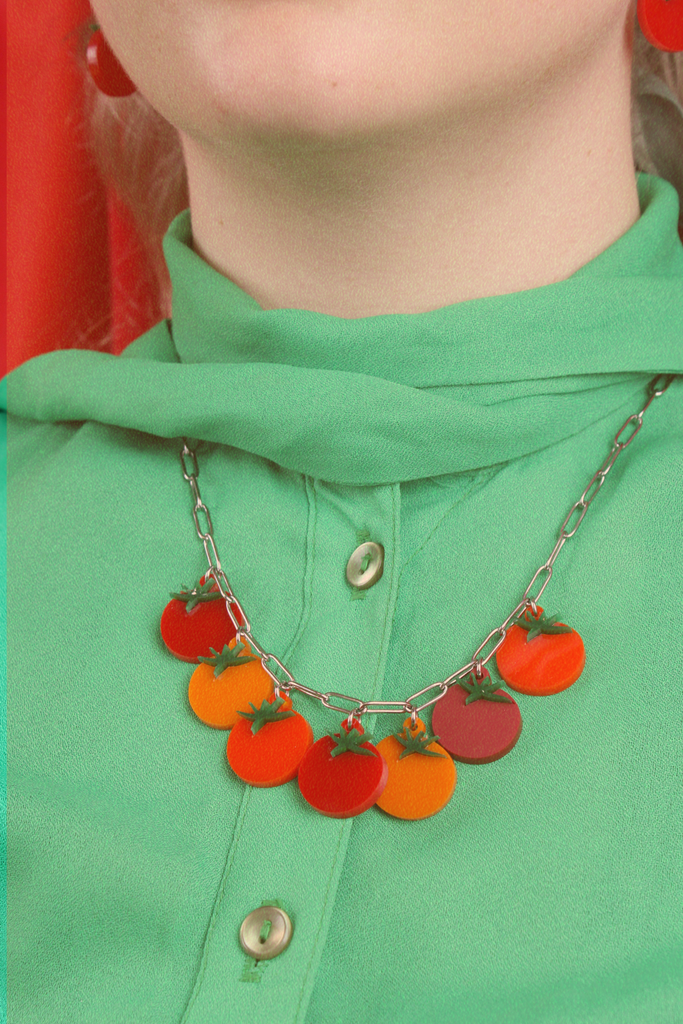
[
  {"x": 477, "y": 722},
  {"x": 105, "y": 68},
  {"x": 342, "y": 775},
  {"x": 190, "y": 635},
  {"x": 267, "y": 744},
  {"x": 661, "y": 22},
  {"x": 541, "y": 656},
  {"x": 421, "y": 776}
]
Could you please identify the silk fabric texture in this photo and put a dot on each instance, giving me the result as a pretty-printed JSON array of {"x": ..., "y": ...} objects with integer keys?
[{"x": 548, "y": 888}]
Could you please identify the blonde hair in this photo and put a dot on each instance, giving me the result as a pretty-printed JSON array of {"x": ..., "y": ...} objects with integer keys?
[{"x": 139, "y": 154}]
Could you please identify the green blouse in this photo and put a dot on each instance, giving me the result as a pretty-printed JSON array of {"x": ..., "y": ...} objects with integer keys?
[{"x": 547, "y": 891}]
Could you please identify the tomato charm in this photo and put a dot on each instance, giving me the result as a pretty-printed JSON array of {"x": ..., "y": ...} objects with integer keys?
[
  {"x": 661, "y": 22},
  {"x": 421, "y": 776},
  {"x": 226, "y": 683},
  {"x": 342, "y": 775},
  {"x": 196, "y": 621},
  {"x": 477, "y": 721},
  {"x": 539, "y": 655},
  {"x": 105, "y": 68},
  {"x": 266, "y": 745}
]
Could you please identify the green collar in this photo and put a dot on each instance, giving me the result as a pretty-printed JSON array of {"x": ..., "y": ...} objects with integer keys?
[{"x": 387, "y": 398}]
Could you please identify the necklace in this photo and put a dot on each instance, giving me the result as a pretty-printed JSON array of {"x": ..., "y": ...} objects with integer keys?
[{"x": 410, "y": 774}]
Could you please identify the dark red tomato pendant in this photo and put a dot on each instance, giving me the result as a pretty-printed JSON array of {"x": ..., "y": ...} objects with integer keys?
[
  {"x": 539, "y": 655},
  {"x": 267, "y": 744},
  {"x": 342, "y": 775},
  {"x": 195, "y": 621},
  {"x": 477, "y": 722}
]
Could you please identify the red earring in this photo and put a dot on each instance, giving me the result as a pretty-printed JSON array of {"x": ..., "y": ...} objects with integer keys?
[
  {"x": 661, "y": 22},
  {"x": 103, "y": 65}
]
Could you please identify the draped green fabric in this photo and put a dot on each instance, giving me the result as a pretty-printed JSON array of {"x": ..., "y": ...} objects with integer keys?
[{"x": 548, "y": 890}]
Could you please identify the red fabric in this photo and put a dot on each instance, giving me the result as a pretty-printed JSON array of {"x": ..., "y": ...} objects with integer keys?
[
  {"x": 75, "y": 267},
  {"x": 3, "y": 177},
  {"x": 134, "y": 293}
]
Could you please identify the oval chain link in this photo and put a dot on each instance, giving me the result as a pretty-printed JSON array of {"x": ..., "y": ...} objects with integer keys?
[{"x": 282, "y": 678}]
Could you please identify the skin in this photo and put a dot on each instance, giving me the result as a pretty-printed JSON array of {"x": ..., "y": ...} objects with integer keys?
[{"x": 362, "y": 157}]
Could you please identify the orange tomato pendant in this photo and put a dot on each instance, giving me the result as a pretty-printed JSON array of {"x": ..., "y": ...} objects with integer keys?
[
  {"x": 196, "y": 621},
  {"x": 266, "y": 745},
  {"x": 421, "y": 775},
  {"x": 540, "y": 655},
  {"x": 342, "y": 775},
  {"x": 477, "y": 721},
  {"x": 226, "y": 683}
]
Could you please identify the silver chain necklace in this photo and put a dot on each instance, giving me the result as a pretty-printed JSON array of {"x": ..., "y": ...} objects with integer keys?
[{"x": 284, "y": 681}]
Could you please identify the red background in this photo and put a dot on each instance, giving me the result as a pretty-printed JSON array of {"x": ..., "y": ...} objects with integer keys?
[{"x": 75, "y": 267}]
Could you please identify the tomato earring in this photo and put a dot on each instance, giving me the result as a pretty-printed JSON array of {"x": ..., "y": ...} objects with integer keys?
[
  {"x": 103, "y": 65},
  {"x": 661, "y": 22}
]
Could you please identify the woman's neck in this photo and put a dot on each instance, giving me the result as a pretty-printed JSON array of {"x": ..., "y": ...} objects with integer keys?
[{"x": 484, "y": 202}]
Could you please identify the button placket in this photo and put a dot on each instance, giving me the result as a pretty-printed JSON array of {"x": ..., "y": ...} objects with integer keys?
[{"x": 278, "y": 839}]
